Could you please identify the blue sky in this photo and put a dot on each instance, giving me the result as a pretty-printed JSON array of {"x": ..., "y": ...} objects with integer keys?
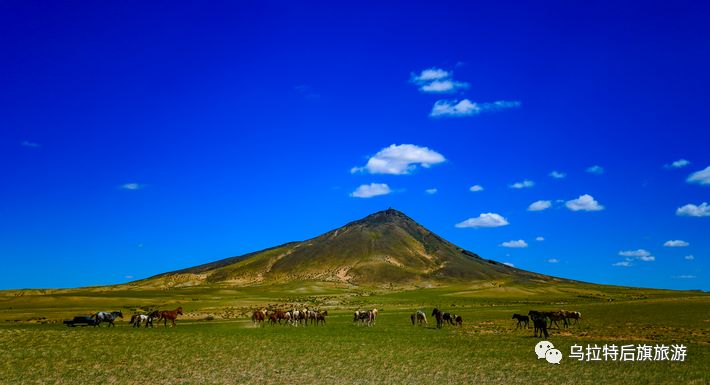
[{"x": 138, "y": 139}]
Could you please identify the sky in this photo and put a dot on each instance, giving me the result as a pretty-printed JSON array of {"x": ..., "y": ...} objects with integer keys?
[{"x": 566, "y": 138}]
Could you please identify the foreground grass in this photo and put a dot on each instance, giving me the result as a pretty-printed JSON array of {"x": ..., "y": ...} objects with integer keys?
[{"x": 485, "y": 350}]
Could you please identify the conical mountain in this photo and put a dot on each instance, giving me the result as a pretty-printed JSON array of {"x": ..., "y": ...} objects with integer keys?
[{"x": 384, "y": 248}]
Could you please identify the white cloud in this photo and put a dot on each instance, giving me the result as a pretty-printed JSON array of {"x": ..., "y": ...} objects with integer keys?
[
  {"x": 691, "y": 210},
  {"x": 540, "y": 239},
  {"x": 680, "y": 163},
  {"x": 524, "y": 184},
  {"x": 508, "y": 264},
  {"x": 132, "y": 186},
  {"x": 430, "y": 74},
  {"x": 371, "y": 190},
  {"x": 553, "y": 260},
  {"x": 640, "y": 254},
  {"x": 27, "y": 143},
  {"x": 443, "y": 86},
  {"x": 437, "y": 81},
  {"x": 476, "y": 188},
  {"x": 431, "y": 191},
  {"x": 519, "y": 244},
  {"x": 689, "y": 257},
  {"x": 702, "y": 177},
  {"x": 400, "y": 160},
  {"x": 129, "y": 277},
  {"x": 540, "y": 205},
  {"x": 684, "y": 276},
  {"x": 557, "y": 174},
  {"x": 465, "y": 107},
  {"x": 635, "y": 253},
  {"x": 598, "y": 170},
  {"x": 584, "y": 203},
  {"x": 622, "y": 264},
  {"x": 676, "y": 243},
  {"x": 484, "y": 220}
]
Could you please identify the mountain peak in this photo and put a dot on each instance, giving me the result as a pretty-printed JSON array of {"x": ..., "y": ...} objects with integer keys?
[
  {"x": 388, "y": 215},
  {"x": 384, "y": 248}
]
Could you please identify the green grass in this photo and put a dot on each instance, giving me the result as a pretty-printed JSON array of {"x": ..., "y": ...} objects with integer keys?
[{"x": 229, "y": 350}]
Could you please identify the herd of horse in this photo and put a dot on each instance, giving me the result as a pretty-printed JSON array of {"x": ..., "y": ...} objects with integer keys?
[
  {"x": 540, "y": 319},
  {"x": 305, "y": 316},
  {"x": 293, "y": 317},
  {"x": 441, "y": 318},
  {"x": 138, "y": 319}
]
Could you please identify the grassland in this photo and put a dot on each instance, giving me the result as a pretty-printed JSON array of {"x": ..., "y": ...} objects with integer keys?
[{"x": 229, "y": 350}]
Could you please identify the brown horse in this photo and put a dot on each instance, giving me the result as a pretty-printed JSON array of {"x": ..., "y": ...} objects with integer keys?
[
  {"x": 320, "y": 317},
  {"x": 171, "y": 315},
  {"x": 279, "y": 315},
  {"x": 258, "y": 317}
]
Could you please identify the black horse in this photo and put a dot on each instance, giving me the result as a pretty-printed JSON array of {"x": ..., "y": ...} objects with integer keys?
[
  {"x": 523, "y": 320},
  {"x": 436, "y": 313},
  {"x": 539, "y": 323},
  {"x": 448, "y": 317}
]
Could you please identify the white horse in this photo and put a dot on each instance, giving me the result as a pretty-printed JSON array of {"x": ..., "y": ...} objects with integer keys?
[
  {"x": 137, "y": 319},
  {"x": 421, "y": 317},
  {"x": 104, "y": 316}
]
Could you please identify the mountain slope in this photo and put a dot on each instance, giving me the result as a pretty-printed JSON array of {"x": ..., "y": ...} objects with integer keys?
[{"x": 384, "y": 248}]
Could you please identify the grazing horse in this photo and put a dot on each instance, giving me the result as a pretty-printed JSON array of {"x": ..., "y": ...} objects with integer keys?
[
  {"x": 448, "y": 318},
  {"x": 436, "y": 313},
  {"x": 458, "y": 320},
  {"x": 374, "y": 315},
  {"x": 419, "y": 317},
  {"x": 366, "y": 317},
  {"x": 320, "y": 317},
  {"x": 523, "y": 320},
  {"x": 103, "y": 316},
  {"x": 539, "y": 323},
  {"x": 171, "y": 315},
  {"x": 257, "y": 318}
]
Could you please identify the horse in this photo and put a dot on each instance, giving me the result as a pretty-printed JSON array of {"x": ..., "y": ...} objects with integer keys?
[
  {"x": 273, "y": 319},
  {"x": 303, "y": 317},
  {"x": 320, "y": 317},
  {"x": 364, "y": 316},
  {"x": 312, "y": 316},
  {"x": 103, "y": 316},
  {"x": 279, "y": 315},
  {"x": 420, "y": 318},
  {"x": 436, "y": 313},
  {"x": 522, "y": 320},
  {"x": 458, "y": 320},
  {"x": 555, "y": 316},
  {"x": 171, "y": 315},
  {"x": 257, "y": 318},
  {"x": 151, "y": 316},
  {"x": 137, "y": 319},
  {"x": 448, "y": 318},
  {"x": 575, "y": 315},
  {"x": 539, "y": 323},
  {"x": 374, "y": 315}
]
